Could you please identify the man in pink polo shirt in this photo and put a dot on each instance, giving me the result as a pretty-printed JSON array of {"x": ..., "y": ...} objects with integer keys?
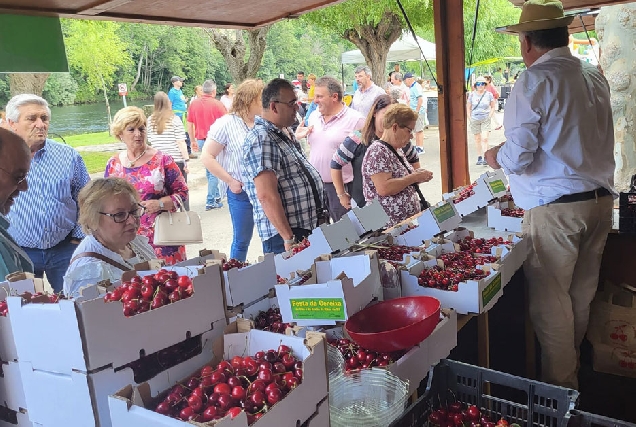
[{"x": 327, "y": 127}]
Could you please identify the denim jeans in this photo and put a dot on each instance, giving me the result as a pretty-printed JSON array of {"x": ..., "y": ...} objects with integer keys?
[
  {"x": 53, "y": 261},
  {"x": 275, "y": 245},
  {"x": 242, "y": 223},
  {"x": 214, "y": 195}
]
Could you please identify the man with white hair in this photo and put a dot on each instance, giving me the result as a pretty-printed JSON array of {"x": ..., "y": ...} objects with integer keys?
[
  {"x": 367, "y": 91},
  {"x": 44, "y": 218},
  {"x": 202, "y": 113}
]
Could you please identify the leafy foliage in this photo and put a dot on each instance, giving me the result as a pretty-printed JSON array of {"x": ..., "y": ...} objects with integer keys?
[{"x": 60, "y": 89}]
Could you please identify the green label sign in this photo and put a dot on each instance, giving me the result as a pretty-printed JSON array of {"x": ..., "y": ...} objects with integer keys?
[
  {"x": 497, "y": 186},
  {"x": 317, "y": 308},
  {"x": 443, "y": 213},
  {"x": 491, "y": 290}
]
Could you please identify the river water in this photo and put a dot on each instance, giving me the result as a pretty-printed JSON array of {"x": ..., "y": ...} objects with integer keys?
[{"x": 76, "y": 119}]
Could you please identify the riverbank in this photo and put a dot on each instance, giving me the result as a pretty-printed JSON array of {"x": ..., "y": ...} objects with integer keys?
[{"x": 95, "y": 148}]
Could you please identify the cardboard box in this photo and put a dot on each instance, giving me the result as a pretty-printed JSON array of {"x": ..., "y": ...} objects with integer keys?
[
  {"x": 480, "y": 199},
  {"x": 497, "y": 183},
  {"x": 372, "y": 217},
  {"x": 472, "y": 296},
  {"x": 320, "y": 418},
  {"x": 129, "y": 406},
  {"x": 339, "y": 288},
  {"x": 15, "y": 419},
  {"x": 247, "y": 284},
  {"x": 501, "y": 222},
  {"x": 81, "y": 400},
  {"x": 11, "y": 390},
  {"x": 22, "y": 283},
  {"x": 86, "y": 334},
  {"x": 434, "y": 220},
  {"x": 324, "y": 240}
]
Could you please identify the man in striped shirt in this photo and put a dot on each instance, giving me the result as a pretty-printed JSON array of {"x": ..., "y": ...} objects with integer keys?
[{"x": 44, "y": 218}]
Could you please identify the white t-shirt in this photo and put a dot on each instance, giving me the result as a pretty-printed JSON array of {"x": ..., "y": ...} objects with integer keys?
[{"x": 166, "y": 142}]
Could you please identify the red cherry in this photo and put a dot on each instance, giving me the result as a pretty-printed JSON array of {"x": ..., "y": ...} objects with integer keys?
[
  {"x": 195, "y": 403},
  {"x": 234, "y": 411},
  {"x": 209, "y": 413},
  {"x": 184, "y": 282}
]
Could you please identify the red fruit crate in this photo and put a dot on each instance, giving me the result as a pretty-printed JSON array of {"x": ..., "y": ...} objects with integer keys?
[
  {"x": 497, "y": 395},
  {"x": 585, "y": 419}
]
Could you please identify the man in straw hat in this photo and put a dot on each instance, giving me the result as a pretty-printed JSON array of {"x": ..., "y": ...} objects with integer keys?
[{"x": 558, "y": 154}]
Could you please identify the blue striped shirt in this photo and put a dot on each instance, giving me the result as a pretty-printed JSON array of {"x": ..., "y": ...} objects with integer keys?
[{"x": 47, "y": 212}]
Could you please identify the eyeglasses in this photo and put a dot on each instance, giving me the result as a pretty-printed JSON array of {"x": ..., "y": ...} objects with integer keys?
[
  {"x": 480, "y": 84},
  {"x": 290, "y": 104},
  {"x": 407, "y": 128},
  {"x": 120, "y": 217},
  {"x": 16, "y": 180}
]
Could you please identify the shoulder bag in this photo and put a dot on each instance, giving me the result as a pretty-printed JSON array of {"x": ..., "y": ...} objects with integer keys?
[
  {"x": 423, "y": 203},
  {"x": 178, "y": 228},
  {"x": 101, "y": 257}
]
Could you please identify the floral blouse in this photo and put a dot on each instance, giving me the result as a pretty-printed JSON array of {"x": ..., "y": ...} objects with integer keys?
[
  {"x": 157, "y": 178},
  {"x": 379, "y": 159}
]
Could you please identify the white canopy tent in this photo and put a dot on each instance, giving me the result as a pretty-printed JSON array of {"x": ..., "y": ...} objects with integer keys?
[{"x": 404, "y": 49}]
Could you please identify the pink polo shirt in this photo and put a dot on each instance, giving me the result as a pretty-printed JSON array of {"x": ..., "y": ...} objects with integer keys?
[{"x": 325, "y": 139}]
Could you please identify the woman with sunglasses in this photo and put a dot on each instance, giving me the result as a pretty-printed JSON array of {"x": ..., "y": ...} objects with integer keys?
[
  {"x": 353, "y": 148},
  {"x": 481, "y": 106},
  {"x": 109, "y": 213}
]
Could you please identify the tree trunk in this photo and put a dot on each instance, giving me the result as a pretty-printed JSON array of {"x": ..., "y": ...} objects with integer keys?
[
  {"x": 110, "y": 119},
  {"x": 233, "y": 46},
  {"x": 141, "y": 60},
  {"x": 27, "y": 83},
  {"x": 374, "y": 41},
  {"x": 616, "y": 31}
]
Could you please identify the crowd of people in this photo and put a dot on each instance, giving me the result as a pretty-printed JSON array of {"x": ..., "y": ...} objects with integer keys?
[{"x": 88, "y": 231}]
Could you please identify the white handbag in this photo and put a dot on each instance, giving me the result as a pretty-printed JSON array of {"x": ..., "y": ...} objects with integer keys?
[{"x": 178, "y": 228}]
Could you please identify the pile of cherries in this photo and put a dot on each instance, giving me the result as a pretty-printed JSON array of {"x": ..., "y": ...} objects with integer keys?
[
  {"x": 250, "y": 384},
  {"x": 139, "y": 295},
  {"x": 458, "y": 267},
  {"x": 513, "y": 212},
  {"x": 301, "y": 246},
  {"x": 28, "y": 296},
  {"x": 357, "y": 357},
  {"x": 465, "y": 193},
  {"x": 397, "y": 252},
  {"x": 457, "y": 415},
  {"x": 481, "y": 245},
  {"x": 270, "y": 320},
  {"x": 233, "y": 263}
]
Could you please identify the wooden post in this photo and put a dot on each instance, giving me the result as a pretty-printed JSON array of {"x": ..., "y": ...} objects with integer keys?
[{"x": 449, "y": 40}]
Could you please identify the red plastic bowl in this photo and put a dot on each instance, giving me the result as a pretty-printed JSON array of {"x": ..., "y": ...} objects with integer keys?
[{"x": 394, "y": 325}]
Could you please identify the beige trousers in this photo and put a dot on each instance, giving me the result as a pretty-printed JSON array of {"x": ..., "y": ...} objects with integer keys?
[{"x": 566, "y": 243}]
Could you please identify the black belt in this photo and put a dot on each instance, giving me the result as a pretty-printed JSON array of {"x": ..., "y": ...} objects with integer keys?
[{"x": 581, "y": 197}]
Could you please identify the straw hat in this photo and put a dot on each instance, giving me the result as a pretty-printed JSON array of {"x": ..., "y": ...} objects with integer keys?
[
  {"x": 481, "y": 79},
  {"x": 539, "y": 15}
]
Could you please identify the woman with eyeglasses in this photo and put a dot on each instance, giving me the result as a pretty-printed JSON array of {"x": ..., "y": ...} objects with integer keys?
[
  {"x": 109, "y": 213},
  {"x": 353, "y": 148},
  {"x": 386, "y": 174},
  {"x": 481, "y": 106},
  {"x": 155, "y": 176}
]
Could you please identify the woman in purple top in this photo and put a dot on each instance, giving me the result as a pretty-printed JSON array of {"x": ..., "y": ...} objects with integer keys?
[{"x": 355, "y": 145}]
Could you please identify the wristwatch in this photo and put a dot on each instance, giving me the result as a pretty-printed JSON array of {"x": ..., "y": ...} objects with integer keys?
[
  {"x": 161, "y": 204},
  {"x": 290, "y": 241}
]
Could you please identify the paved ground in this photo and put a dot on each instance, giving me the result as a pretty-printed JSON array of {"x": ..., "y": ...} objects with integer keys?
[{"x": 217, "y": 226}]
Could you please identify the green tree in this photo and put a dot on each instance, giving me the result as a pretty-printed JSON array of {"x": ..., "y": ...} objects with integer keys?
[
  {"x": 60, "y": 89},
  {"x": 97, "y": 52},
  {"x": 242, "y": 49},
  {"x": 375, "y": 29}
]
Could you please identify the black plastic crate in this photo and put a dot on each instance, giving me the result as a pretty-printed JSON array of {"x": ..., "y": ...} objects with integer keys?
[
  {"x": 499, "y": 395},
  {"x": 627, "y": 213},
  {"x": 585, "y": 419}
]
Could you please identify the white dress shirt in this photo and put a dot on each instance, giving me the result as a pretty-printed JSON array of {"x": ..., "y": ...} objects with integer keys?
[{"x": 559, "y": 131}]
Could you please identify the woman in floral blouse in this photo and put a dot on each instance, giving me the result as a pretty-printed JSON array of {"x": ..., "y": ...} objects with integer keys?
[
  {"x": 386, "y": 174},
  {"x": 154, "y": 175}
]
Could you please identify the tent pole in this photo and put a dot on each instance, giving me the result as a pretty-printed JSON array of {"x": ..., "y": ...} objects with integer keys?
[{"x": 343, "y": 82}]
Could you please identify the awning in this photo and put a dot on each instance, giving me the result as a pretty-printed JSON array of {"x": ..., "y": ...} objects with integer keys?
[{"x": 404, "y": 49}]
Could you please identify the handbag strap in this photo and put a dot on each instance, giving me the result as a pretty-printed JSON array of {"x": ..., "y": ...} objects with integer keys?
[
  {"x": 417, "y": 187},
  {"x": 100, "y": 257},
  {"x": 478, "y": 102}
]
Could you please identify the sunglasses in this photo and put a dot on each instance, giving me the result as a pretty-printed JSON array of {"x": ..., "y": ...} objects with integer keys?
[{"x": 480, "y": 84}]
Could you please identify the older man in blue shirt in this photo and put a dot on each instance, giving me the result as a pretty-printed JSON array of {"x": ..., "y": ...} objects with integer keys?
[
  {"x": 44, "y": 218},
  {"x": 15, "y": 160},
  {"x": 559, "y": 153}
]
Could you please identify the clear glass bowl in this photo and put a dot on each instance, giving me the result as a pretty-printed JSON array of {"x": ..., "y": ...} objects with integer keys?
[
  {"x": 366, "y": 398},
  {"x": 335, "y": 362}
]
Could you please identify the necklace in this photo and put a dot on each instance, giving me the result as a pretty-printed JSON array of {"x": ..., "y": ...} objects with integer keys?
[{"x": 131, "y": 163}]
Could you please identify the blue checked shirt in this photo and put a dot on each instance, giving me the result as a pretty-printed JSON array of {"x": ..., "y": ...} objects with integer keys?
[
  {"x": 267, "y": 147},
  {"x": 47, "y": 212}
]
